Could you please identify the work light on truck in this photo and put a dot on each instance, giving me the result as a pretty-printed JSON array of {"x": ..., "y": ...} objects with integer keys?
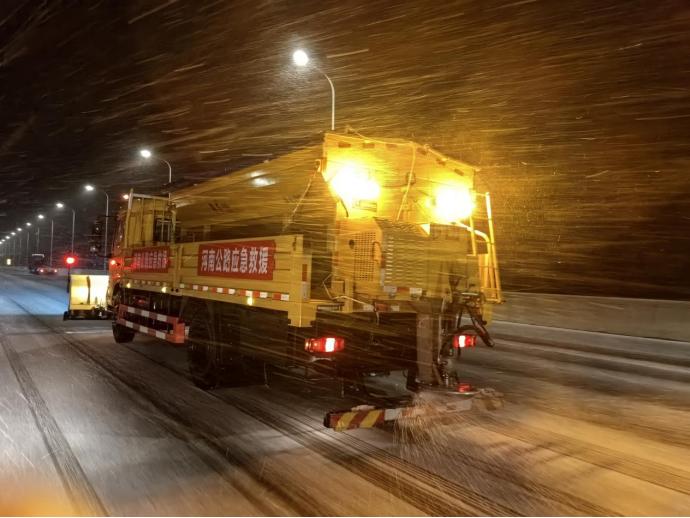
[
  {"x": 353, "y": 183},
  {"x": 463, "y": 341},
  {"x": 324, "y": 344},
  {"x": 452, "y": 204}
]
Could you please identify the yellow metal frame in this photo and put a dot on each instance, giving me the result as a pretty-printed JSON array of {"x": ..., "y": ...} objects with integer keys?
[{"x": 409, "y": 175}]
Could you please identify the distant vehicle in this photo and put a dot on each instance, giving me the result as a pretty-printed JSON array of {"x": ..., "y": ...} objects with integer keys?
[
  {"x": 45, "y": 270},
  {"x": 38, "y": 266}
]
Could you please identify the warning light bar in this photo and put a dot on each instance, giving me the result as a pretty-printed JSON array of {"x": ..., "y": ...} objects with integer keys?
[
  {"x": 324, "y": 344},
  {"x": 462, "y": 341}
]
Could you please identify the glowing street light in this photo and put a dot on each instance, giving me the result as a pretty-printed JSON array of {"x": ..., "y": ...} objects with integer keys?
[
  {"x": 146, "y": 153},
  {"x": 28, "y": 223},
  {"x": 91, "y": 188},
  {"x": 301, "y": 59},
  {"x": 125, "y": 197},
  {"x": 14, "y": 233},
  {"x": 19, "y": 229},
  {"x": 40, "y": 218},
  {"x": 52, "y": 228},
  {"x": 61, "y": 205}
]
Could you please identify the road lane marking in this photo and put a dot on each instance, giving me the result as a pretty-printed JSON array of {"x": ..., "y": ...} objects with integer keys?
[{"x": 88, "y": 332}]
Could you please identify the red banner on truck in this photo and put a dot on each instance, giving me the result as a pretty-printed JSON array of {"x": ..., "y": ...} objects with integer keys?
[
  {"x": 242, "y": 260},
  {"x": 155, "y": 259}
]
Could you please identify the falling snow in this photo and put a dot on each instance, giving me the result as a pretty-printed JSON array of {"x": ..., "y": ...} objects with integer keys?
[{"x": 577, "y": 113}]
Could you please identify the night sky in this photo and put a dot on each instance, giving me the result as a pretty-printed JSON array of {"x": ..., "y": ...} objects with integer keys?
[{"x": 577, "y": 112}]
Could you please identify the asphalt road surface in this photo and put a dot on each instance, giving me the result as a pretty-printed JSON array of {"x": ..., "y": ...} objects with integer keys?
[{"x": 592, "y": 424}]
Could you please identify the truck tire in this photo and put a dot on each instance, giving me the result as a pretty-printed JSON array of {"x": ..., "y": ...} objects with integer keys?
[
  {"x": 122, "y": 334},
  {"x": 202, "y": 351},
  {"x": 202, "y": 364}
]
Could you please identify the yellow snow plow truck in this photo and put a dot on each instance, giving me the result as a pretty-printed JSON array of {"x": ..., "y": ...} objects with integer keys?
[{"x": 351, "y": 257}]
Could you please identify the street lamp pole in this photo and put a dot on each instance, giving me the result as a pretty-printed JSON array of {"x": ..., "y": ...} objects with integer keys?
[
  {"x": 51, "y": 242},
  {"x": 105, "y": 237},
  {"x": 146, "y": 153},
  {"x": 169, "y": 169},
  {"x": 90, "y": 188},
  {"x": 301, "y": 59},
  {"x": 40, "y": 219},
  {"x": 73, "y": 218},
  {"x": 332, "y": 97},
  {"x": 60, "y": 205}
]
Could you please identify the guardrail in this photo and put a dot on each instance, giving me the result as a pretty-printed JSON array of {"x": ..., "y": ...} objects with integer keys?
[{"x": 650, "y": 318}]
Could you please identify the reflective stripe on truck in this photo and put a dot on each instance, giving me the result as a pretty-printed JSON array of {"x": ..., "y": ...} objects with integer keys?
[{"x": 175, "y": 335}]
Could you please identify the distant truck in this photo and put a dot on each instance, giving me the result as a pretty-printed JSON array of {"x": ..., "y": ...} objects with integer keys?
[
  {"x": 354, "y": 257},
  {"x": 38, "y": 265}
]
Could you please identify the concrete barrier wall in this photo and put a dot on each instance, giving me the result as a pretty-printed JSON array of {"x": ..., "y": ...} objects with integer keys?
[{"x": 634, "y": 317}]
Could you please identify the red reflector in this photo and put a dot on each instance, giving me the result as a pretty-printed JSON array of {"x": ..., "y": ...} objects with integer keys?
[
  {"x": 324, "y": 344},
  {"x": 462, "y": 341},
  {"x": 464, "y": 387}
]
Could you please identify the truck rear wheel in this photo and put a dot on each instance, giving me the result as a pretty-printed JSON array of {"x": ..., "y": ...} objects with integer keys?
[
  {"x": 202, "y": 353},
  {"x": 122, "y": 334},
  {"x": 202, "y": 360}
]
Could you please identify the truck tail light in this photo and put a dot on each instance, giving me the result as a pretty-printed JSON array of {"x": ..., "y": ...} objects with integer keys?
[
  {"x": 464, "y": 388},
  {"x": 463, "y": 341},
  {"x": 324, "y": 344}
]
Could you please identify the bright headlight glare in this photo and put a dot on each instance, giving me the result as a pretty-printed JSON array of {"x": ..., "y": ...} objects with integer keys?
[{"x": 452, "y": 204}]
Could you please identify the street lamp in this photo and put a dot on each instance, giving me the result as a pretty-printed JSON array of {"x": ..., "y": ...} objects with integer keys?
[
  {"x": 90, "y": 188},
  {"x": 52, "y": 228},
  {"x": 40, "y": 218},
  {"x": 19, "y": 239},
  {"x": 60, "y": 205},
  {"x": 28, "y": 251},
  {"x": 146, "y": 153},
  {"x": 301, "y": 59}
]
